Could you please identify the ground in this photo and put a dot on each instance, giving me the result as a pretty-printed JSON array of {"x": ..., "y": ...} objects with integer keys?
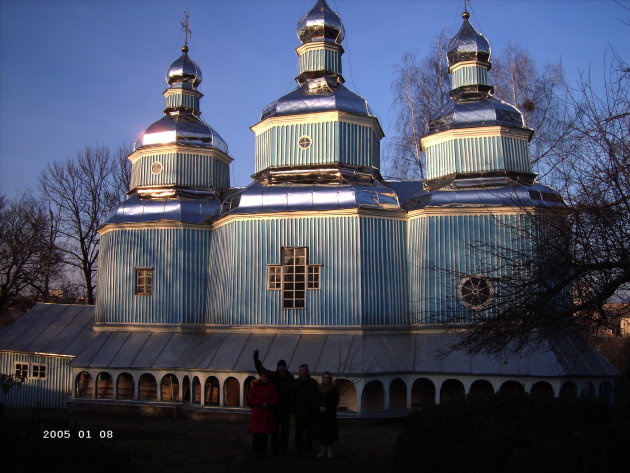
[{"x": 160, "y": 445}]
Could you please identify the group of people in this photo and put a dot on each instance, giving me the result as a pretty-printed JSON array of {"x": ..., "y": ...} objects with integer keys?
[{"x": 277, "y": 395}]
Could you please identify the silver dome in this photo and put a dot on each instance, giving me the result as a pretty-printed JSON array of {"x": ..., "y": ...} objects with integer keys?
[
  {"x": 468, "y": 45},
  {"x": 184, "y": 129},
  {"x": 321, "y": 23},
  {"x": 184, "y": 71},
  {"x": 465, "y": 114},
  {"x": 302, "y": 100}
]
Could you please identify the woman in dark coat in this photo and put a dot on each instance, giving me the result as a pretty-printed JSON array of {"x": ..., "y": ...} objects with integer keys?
[
  {"x": 262, "y": 398},
  {"x": 328, "y": 397}
]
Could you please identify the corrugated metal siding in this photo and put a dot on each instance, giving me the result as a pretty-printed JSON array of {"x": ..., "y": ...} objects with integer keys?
[
  {"x": 332, "y": 142},
  {"x": 182, "y": 100},
  {"x": 470, "y": 75},
  {"x": 179, "y": 257},
  {"x": 181, "y": 169},
  {"x": 384, "y": 271},
  {"x": 443, "y": 249},
  {"x": 489, "y": 153},
  {"x": 320, "y": 60},
  {"x": 49, "y": 393},
  {"x": 241, "y": 251}
]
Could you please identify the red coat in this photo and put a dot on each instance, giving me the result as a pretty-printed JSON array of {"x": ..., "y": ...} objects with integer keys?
[{"x": 263, "y": 417}]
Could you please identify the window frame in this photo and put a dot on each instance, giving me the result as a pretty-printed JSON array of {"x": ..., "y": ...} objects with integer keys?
[
  {"x": 42, "y": 371},
  {"x": 312, "y": 270},
  {"x": 143, "y": 286},
  {"x": 19, "y": 371}
]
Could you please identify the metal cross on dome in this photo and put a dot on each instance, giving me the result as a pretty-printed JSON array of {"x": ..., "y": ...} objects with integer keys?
[{"x": 186, "y": 27}]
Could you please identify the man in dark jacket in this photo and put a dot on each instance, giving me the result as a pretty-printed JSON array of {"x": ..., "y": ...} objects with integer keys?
[
  {"x": 304, "y": 406},
  {"x": 283, "y": 381}
]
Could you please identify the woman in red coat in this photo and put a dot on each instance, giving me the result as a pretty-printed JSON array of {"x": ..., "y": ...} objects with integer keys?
[{"x": 262, "y": 398}]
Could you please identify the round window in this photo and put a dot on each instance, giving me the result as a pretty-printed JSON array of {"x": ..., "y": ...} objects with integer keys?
[
  {"x": 305, "y": 142},
  {"x": 475, "y": 291},
  {"x": 156, "y": 167}
]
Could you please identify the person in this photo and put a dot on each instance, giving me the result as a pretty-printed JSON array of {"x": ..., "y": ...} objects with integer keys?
[
  {"x": 282, "y": 380},
  {"x": 304, "y": 407},
  {"x": 262, "y": 398},
  {"x": 328, "y": 397}
]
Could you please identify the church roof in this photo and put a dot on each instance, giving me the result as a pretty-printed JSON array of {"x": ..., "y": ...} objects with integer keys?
[
  {"x": 303, "y": 100},
  {"x": 67, "y": 330}
]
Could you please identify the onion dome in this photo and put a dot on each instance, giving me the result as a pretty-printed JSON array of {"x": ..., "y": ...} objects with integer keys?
[
  {"x": 184, "y": 71},
  {"x": 184, "y": 129},
  {"x": 469, "y": 114},
  {"x": 468, "y": 45},
  {"x": 320, "y": 24}
]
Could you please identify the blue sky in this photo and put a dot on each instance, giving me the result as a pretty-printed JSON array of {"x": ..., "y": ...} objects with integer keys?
[{"x": 74, "y": 73}]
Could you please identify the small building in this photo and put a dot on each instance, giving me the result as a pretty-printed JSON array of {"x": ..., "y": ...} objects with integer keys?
[{"x": 319, "y": 260}]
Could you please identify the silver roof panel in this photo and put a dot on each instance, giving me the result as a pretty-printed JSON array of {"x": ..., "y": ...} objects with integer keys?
[{"x": 422, "y": 351}]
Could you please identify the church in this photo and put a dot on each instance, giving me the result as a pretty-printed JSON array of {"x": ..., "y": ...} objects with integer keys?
[{"x": 319, "y": 260}]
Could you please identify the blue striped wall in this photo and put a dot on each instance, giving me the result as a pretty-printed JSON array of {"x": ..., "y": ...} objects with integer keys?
[
  {"x": 179, "y": 257},
  {"x": 384, "y": 271},
  {"x": 363, "y": 279},
  {"x": 332, "y": 142},
  {"x": 182, "y": 100},
  {"x": 320, "y": 60},
  {"x": 443, "y": 249},
  {"x": 48, "y": 393},
  {"x": 470, "y": 75},
  {"x": 488, "y": 153},
  {"x": 182, "y": 169}
]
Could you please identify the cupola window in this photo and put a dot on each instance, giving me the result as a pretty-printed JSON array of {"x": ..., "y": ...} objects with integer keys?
[
  {"x": 293, "y": 277},
  {"x": 475, "y": 292},
  {"x": 156, "y": 167},
  {"x": 305, "y": 142}
]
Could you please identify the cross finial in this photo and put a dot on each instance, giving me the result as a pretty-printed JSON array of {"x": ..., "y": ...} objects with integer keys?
[{"x": 186, "y": 27}]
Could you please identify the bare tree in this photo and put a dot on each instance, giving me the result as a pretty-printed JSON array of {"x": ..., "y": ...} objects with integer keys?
[
  {"x": 82, "y": 193},
  {"x": 541, "y": 96},
  {"x": 29, "y": 259},
  {"x": 419, "y": 90}
]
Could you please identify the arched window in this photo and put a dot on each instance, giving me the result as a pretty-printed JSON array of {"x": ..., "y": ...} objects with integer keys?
[
  {"x": 170, "y": 388},
  {"x": 542, "y": 389},
  {"x": 422, "y": 393},
  {"x": 512, "y": 388},
  {"x": 373, "y": 397},
  {"x": 451, "y": 389},
  {"x": 231, "y": 392},
  {"x": 83, "y": 385},
  {"x": 212, "y": 391},
  {"x": 568, "y": 391},
  {"x": 397, "y": 394},
  {"x": 147, "y": 387},
  {"x": 196, "y": 390},
  {"x": 347, "y": 395},
  {"x": 104, "y": 386},
  {"x": 186, "y": 389},
  {"x": 588, "y": 390},
  {"x": 125, "y": 386},
  {"x": 481, "y": 388}
]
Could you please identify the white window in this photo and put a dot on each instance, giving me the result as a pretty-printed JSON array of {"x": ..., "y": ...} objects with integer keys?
[
  {"x": 38, "y": 371},
  {"x": 305, "y": 142},
  {"x": 144, "y": 281},
  {"x": 274, "y": 277},
  {"x": 21, "y": 370}
]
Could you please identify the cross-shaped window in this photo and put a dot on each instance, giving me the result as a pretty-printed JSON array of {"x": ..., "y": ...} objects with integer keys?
[{"x": 293, "y": 277}]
